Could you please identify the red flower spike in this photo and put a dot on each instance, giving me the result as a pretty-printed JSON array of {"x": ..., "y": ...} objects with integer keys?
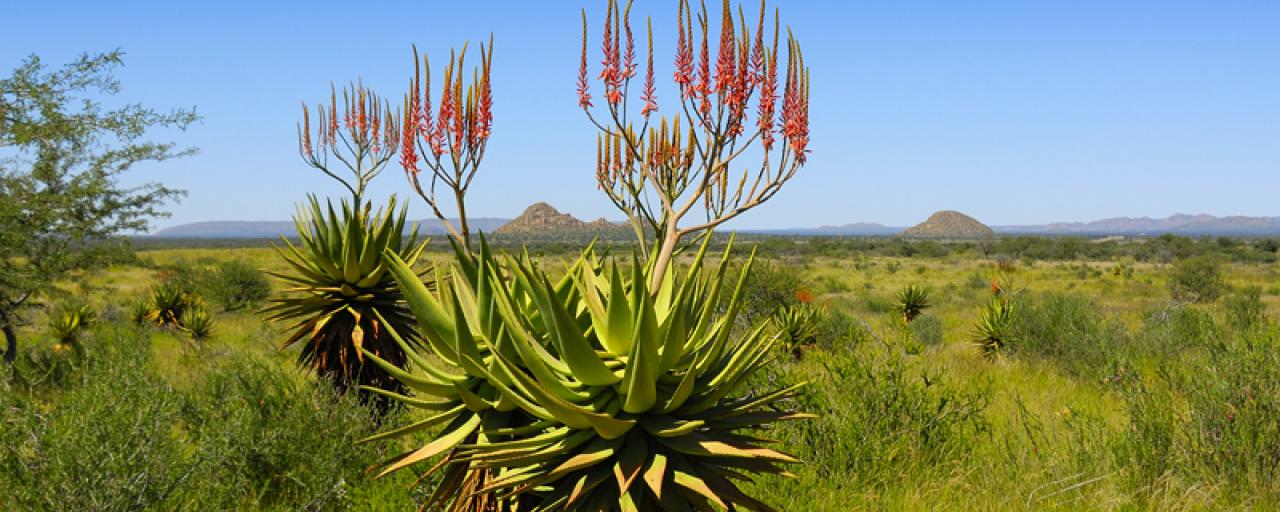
[
  {"x": 684, "y": 52},
  {"x": 584, "y": 88},
  {"x": 769, "y": 92},
  {"x": 333, "y": 116},
  {"x": 629, "y": 58},
  {"x": 445, "y": 123},
  {"x": 757, "y": 53},
  {"x": 650, "y": 96},
  {"x": 306, "y": 133},
  {"x": 703, "y": 89},
  {"x": 726, "y": 53}
]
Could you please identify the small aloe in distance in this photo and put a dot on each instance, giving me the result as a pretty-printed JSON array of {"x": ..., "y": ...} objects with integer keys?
[
  {"x": 797, "y": 324},
  {"x": 912, "y": 301}
]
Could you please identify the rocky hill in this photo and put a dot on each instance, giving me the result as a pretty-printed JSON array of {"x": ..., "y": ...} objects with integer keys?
[
  {"x": 542, "y": 218},
  {"x": 949, "y": 224}
]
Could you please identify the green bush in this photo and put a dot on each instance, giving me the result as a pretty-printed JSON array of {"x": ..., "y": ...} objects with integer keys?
[
  {"x": 770, "y": 286},
  {"x": 927, "y": 330},
  {"x": 1197, "y": 279},
  {"x": 879, "y": 418},
  {"x": 1070, "y": 330},
  {"x": 109, "y": 444},
  {"x": 1211, "y": 422},
  {"x": 1166, "y": 333},
  {"x": 237, "y": 285},
  {"x": 1245, "y": 308},
  {"x": 244, "y": 434}
]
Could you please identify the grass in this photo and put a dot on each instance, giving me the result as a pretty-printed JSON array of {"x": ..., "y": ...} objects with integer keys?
[{"x": 1116, "y": 398}]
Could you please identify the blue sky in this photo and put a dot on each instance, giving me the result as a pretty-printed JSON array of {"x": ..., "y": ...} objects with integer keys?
[{"x": 1013, "y": 112}]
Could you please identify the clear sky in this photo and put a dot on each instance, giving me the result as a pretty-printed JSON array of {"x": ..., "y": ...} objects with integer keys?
[{"x": 1014, "y": 112}]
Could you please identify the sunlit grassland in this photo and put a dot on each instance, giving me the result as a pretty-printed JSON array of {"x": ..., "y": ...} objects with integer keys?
[{"x": 1032, "y": 433}]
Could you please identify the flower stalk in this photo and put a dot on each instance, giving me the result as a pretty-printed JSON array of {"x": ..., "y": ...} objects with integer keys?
[
  {"x": 450, "y": 146},
  {"x": 661, "y": 170}
]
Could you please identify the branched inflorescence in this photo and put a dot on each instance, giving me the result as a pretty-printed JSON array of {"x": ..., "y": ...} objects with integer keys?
[
  {"x": 364, "y": 136},
  {"x": 450, "y": 145},
  {"x": 664, "y": 169}
]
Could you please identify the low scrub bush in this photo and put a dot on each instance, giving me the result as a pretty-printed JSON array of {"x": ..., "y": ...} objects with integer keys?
[
  {"x": 1070, "y": 330},
  {"x": 1209, "y": 423},
  {"x": 235, "y": 285},
  {"x": 1197, "y": 279},
  {"x": 927, "y": 330},
  {"x": 244, "y": 434},
  {"x": 879, "y": 418}
]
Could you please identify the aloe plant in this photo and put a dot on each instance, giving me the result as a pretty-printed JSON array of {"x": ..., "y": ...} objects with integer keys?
[
  {"x": 911, "y": 301},
  {"x": 798, "y": 326},
  {"x": 198, "y": 323},
  {"x": 166, "y": 305},
  {"x": 994, "y": 329},
  {"x": 68, "y": 321},
  {"x": 343, "y": 300},
  {"x": 589, "y": 392}
]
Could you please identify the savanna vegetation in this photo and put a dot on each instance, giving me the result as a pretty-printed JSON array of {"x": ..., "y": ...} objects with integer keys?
[{"x": 358, "y": 367}]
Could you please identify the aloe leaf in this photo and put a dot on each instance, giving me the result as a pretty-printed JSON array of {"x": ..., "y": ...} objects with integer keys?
[{"x": 454, "y": 434}]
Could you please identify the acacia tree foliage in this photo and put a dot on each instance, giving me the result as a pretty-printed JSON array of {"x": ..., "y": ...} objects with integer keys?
[{"x": 61, "y": 155}]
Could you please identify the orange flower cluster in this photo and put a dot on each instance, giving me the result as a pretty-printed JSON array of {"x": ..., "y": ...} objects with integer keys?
[
  {"x": 745, "y": 67},
  {"x": 453, "y": 143},
  {"x": 364, "y": 143},
  {"x": 465, "y": 119},
  {"x": 370, "y": 126}
]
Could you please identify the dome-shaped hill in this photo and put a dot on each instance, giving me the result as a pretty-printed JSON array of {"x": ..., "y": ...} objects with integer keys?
[
  {"x": 949, "y": 224},
  {"x": 540, "y": 218}
]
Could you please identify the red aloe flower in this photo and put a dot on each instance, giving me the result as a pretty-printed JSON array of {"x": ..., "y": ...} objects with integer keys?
[
  {"x": 333, "y": 116},
  {"x": 703, "y": 89},
  {"x": 628, "y": 58},
  {"x": 445, "y": 123},
  {"x": 484, "y": 114},
  {"x": 650, "y": 96},
  {"x": 769, "y": 93},
  {"x": 306, "y": 133},
  {"x": 725, "y": 53},
  {"x": 584, "y": 88},
  {"x": 684, "y": 53},
  {"x": 459, "y": 114},
  {"x": 408, "y": 142}
]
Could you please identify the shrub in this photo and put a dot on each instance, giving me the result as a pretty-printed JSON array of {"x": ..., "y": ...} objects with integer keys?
[
  {"x": 900, "y": 421},
  {"x": 770, "y": 287},
  {"x": 242, "y": 435},
  {"x": 237, "y": 285},
  {"x": 1168, "y": 332},
  {"x": 840, "y": 330},
  {"x": 1070, "y": 330},
  {"x": 1245, "y": 308},
  {"x": 1212, "y": 422},
  {"x": 109, "y": 444},
  {"x": 1197, "y": 279},
  {"x": 927, "y": 330}
]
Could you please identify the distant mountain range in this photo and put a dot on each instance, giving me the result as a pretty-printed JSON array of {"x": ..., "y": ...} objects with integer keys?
[
  {"x": 550, "y": 220},
  {"x": 275, "y": 228},
  {"x": 1181, "y": 224}
]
